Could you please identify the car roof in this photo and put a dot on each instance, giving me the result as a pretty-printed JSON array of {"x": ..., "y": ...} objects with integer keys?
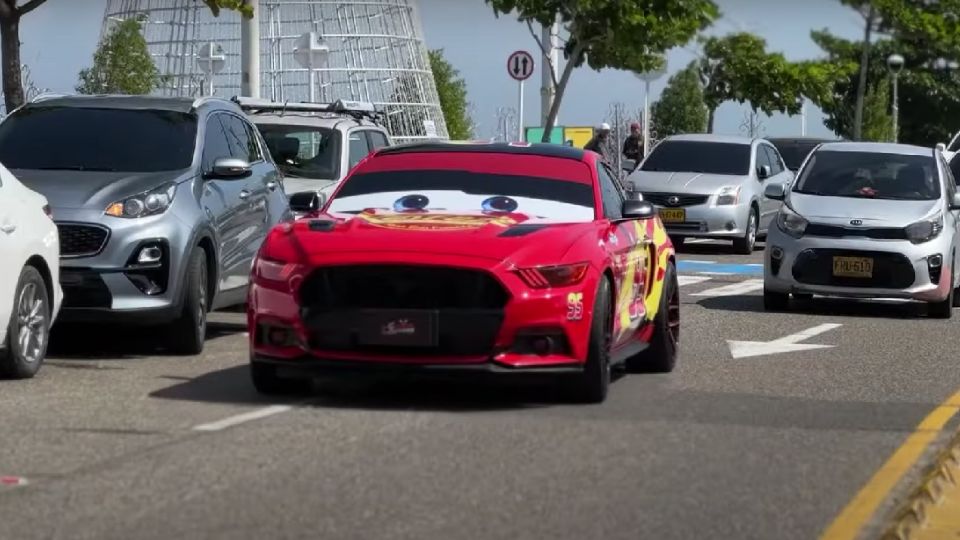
[
  {"x": 710, "y": 137},
  {"x": 300, "y": 119},
  {"x": 529, "y": 149},
  {"x": 156, "y": 103},
  {"x": 802, "y": 140},
  {"x": 876, "y": 147}
]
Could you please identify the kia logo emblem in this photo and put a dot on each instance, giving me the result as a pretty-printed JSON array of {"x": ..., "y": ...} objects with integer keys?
[
  {"x": 856, "y": 222},
  {"x": 673, "y": 200}
]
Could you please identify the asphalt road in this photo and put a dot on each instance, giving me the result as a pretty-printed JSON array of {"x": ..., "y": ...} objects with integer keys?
[{"x": 115, "y": 440}]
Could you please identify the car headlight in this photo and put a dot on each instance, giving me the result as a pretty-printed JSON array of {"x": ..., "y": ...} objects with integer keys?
[
  {"x": 791, "y": 222},
  {"x": 926, "y": 230},
  {"x": 728, "y": 195},
  {"x": 148, "y": 203}
]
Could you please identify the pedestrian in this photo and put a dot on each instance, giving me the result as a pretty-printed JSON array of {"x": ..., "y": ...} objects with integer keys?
[
  {"x": 633, "y": 145},
  {"x": 598, "y": 142}
]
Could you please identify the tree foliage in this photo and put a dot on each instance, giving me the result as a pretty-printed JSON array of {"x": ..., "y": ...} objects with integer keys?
[
  {"x": 236, "y": 5},
  {"x": 453, "y": 96},
  {"x": 121, "y": 64},
  {"x": 10, "y": 16},
  {"x": 621, "y": 34},
  {"x": 681, "y": 108},
  {"x": 877, "y": 120}
]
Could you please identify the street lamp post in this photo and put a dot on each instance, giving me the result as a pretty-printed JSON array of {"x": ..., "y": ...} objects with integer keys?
[
  {"x": 311, "y": 51},
  {"x": 647, "y": 78},
  {"x": 211, "y": 60},
  {"x": 895, "y": 66}
]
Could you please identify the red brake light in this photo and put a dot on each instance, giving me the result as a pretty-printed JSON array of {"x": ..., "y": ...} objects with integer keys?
[{"x": 554, "y": 276}]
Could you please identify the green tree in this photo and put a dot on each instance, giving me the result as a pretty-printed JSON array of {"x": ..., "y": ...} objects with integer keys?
[
  {"x": 10, "y": 16},
  {"x": 121, "y": 64},
  {"x": 680, "y": 108},
  {"x": 877, "y": 120},
  {"x": 620, "y": 34},
  {"x": 453, "y": 96}
]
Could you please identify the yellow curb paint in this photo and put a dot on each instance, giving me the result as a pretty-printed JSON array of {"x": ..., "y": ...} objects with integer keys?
[{"x": 857, "y": 513}]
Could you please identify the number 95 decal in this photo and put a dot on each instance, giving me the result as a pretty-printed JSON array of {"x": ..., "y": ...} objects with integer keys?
[{"x": 575, "y": 306}]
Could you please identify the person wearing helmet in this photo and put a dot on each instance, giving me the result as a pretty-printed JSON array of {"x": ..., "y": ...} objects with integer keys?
[
  {"x": 599, "y": 140},
  {"x": 633, "y": 145}
]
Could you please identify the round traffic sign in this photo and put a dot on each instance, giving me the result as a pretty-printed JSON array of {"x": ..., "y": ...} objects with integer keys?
[{"x": 520, "y": 65}]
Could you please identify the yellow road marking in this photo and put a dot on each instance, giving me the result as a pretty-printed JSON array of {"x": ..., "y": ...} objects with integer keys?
[{"x": 864, "y": 505}]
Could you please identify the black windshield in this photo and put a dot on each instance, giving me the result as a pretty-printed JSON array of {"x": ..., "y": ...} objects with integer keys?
[
  {"x": 870, "y": 175},
  {"x": 304, "y": 151},
  {"x": 700, "y": 157},
  {"x": 81, "y": 138},
  {"x": 794, "y": 152}
]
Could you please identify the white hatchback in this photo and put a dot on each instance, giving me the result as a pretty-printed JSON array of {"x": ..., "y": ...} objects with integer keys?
[{"x": 30, "y": 294}]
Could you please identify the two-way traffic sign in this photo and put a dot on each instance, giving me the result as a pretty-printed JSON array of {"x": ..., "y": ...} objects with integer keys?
[{"x": 520, "y": 65}]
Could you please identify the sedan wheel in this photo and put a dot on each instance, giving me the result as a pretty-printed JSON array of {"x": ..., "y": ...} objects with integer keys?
[{"x": 28, "y": 331}]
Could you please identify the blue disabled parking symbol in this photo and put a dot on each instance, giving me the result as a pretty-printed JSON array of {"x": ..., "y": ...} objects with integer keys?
[{"x": 713, "y": 267}]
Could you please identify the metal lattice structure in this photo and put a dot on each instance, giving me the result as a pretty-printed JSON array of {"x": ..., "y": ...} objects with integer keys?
[{"x": 376, "y": 54}]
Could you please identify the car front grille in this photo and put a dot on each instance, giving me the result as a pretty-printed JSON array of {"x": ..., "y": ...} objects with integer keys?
[
  {"x": 81, "y": 240},
  {"x": 837, "y": 231},
  {"x": 890, "y": 270},
  {"x": 683, "y": 199},
  {"x": 466, "y": 306}
]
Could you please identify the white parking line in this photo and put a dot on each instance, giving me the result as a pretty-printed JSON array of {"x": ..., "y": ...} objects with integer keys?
[
  {"x": 691, "y": 280},
  {"x": 237, "y": 419},
  {"x": 734, "y": 289}
]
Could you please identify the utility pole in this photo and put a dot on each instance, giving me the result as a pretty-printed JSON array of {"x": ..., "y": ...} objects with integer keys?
[
  {"x": 549, "y": 71},
  {"x": 250, "y": 52}
]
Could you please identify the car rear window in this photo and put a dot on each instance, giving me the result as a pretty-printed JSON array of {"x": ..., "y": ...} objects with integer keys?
[
  {"x": 794, "y": 152},
  {"x": 96, "y": 139},
  {"x": 873, "y": 175},
  {"x": 699, "y": 156}
]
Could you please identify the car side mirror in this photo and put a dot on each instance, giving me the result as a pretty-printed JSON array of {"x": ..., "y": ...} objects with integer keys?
[
  {"x": 763, "y": 172},
  {"x": 955, "y": 203},
  {"x": 229, "y": 168},
  {"x": 941, "y": 147},
  {"x": 776, "y": 192},
  {"x": 638, "y": 209},
  {"x": 307, "y": 202},
  {"x": 628, "y": 165}
]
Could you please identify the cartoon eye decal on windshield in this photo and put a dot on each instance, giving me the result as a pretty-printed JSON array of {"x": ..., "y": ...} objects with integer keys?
[
  {"x": 499, "y": 203},
  {"x": 410, "y": 202}
]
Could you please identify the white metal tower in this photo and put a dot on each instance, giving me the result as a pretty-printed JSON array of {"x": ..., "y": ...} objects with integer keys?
[{"x": 376, "y": 54}]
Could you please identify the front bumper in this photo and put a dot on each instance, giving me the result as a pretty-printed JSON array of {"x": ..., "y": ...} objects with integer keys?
[
  {"x": 707, "y": 221},
  {"x": 901, "y": 269},
  {"x": 312, "y": 366}
]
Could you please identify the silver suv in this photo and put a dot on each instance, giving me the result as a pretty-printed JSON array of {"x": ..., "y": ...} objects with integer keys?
[
  {"x": 316, "y": 144},
  {"x": 161, "y": 204}
]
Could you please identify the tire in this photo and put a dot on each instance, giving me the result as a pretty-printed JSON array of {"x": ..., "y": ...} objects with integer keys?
[
  {"x": 28, "y": 331},
  {"x": 944, "y": 308},
  {"x": 775, "y": 301},
  {"x": 266, "y": 381},
  {"x": 592, "y": 384},
  {"x": 188, "y": 333},
  {"x": 661, "y": 355},
  {"x": 745, "y": 245}
]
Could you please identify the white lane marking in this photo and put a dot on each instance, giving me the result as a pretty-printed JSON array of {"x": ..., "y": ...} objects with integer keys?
[
  {"x": 753, "y": 264},
  {"x": 733, "y": 289},
  {"x": 791, "y": 343},
  {"x": 717, "y": 273},
  {"x": 808, "y": 333},
  {"x": 699, "y": 262},
  {"x": 237, "y": 419},
  {"x": 691, "y": 280}
]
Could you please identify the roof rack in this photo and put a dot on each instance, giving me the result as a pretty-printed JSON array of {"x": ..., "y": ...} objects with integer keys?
[{"x": 356, "y": 109}]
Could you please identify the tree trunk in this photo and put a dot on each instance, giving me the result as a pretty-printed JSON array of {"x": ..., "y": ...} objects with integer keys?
[
  {"x": 862, "y": 82},
  {"x": 711, "y": 111},
  {"x": 10, "y": 52},
  {"x": 561, "y": 88}
]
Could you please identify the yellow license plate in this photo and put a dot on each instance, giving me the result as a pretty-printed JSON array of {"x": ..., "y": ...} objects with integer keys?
[
  {"x": 856, "y": 267},
  {"x": 673, "y": 215}
]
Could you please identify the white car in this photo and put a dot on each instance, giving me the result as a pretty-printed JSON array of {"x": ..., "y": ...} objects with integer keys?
[{"x": 30, "y": 293}]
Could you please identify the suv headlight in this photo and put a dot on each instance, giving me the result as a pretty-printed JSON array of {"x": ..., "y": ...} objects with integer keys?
[
  {"x": 148, "y": 203},
  {"x": 728, "y": 195},
  {"x": 791, "y": 222},
  {"x": 926, "y": 230}
]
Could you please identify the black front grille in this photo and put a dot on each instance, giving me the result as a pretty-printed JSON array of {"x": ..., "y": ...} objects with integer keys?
[
  {"x": 890, "y": 270},
  {"x": 836, "y": 231},
  {"x": 663, "y": 199},
  {"x": 78, "y": 240},
  {"x": 466, "y": 305},
  {"x": 84, "y": 289}
]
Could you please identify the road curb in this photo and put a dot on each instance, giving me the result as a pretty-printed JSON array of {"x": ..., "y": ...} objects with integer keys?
[{"x": 937, "y": 479}]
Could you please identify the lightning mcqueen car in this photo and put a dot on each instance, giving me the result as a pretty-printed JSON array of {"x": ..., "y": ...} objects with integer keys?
[{"x": 505, "y": 258}]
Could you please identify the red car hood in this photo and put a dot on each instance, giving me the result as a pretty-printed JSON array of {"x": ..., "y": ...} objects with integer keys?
[{"x": 516, "y": 238}]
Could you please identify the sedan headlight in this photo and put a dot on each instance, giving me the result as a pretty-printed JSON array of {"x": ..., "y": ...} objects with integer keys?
[
  {"x": 145, "y": 204},
  {"x": 728, "y": 195},
  {"x": 926, "y": 230},
  {"x": 791, "y": 222}
]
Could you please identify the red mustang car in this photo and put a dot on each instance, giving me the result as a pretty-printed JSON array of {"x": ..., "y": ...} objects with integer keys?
[{"x": 506, "y": 258}]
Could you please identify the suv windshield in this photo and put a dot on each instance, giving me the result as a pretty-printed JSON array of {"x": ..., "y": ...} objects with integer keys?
[
  {"x": 699, "y": 157},
  {"x": 457, "y": 191},
  {"x": 92, "y": 139},
  {"x": 870, "y": 175},
  {"x": 304, "y": 151},
  {"x": 794, "y": 152}
]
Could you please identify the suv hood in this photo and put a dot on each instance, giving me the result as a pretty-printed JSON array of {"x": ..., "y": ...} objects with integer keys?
[
  {"x": 682, "y": 182},
  {"x": 514, "y": 237},
  {"x": 873, "y": 212},
  {"x": 85, "y": 189}
]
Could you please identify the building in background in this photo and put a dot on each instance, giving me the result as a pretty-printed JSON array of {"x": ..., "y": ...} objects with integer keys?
[{"x": 376, "y": 54}]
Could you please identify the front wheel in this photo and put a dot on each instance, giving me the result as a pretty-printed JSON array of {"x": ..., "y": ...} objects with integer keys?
[
  {"x": 189, "y": 331},
  {"x": 661, "y": 355},
  {"x": 944, "y": 308},
  {"x": 745, "y": 245},
  {"x": 28, "y": 330},
  {"x": 775, "y": 301},
  {"x": 592, "y": 384}
]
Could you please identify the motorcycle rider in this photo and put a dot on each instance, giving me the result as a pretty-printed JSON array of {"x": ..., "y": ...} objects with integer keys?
[{"x": 599, "y": 141}]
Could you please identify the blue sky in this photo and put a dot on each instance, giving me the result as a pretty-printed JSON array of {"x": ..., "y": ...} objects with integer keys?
[{"x": 59, "y": 39}]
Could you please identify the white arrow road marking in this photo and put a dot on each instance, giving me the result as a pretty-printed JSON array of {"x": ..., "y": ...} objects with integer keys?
[
  {"x": 237, "y": 419},
  {"x": 742, "y": 287},
  {"x": 791, "y": 343},
  {"x": 691, "y": 280}
]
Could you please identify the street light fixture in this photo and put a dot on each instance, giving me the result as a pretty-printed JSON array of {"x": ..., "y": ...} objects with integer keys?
[
  {"x": 895, "y": 66},
  {"x": 310, "y": 52}
]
